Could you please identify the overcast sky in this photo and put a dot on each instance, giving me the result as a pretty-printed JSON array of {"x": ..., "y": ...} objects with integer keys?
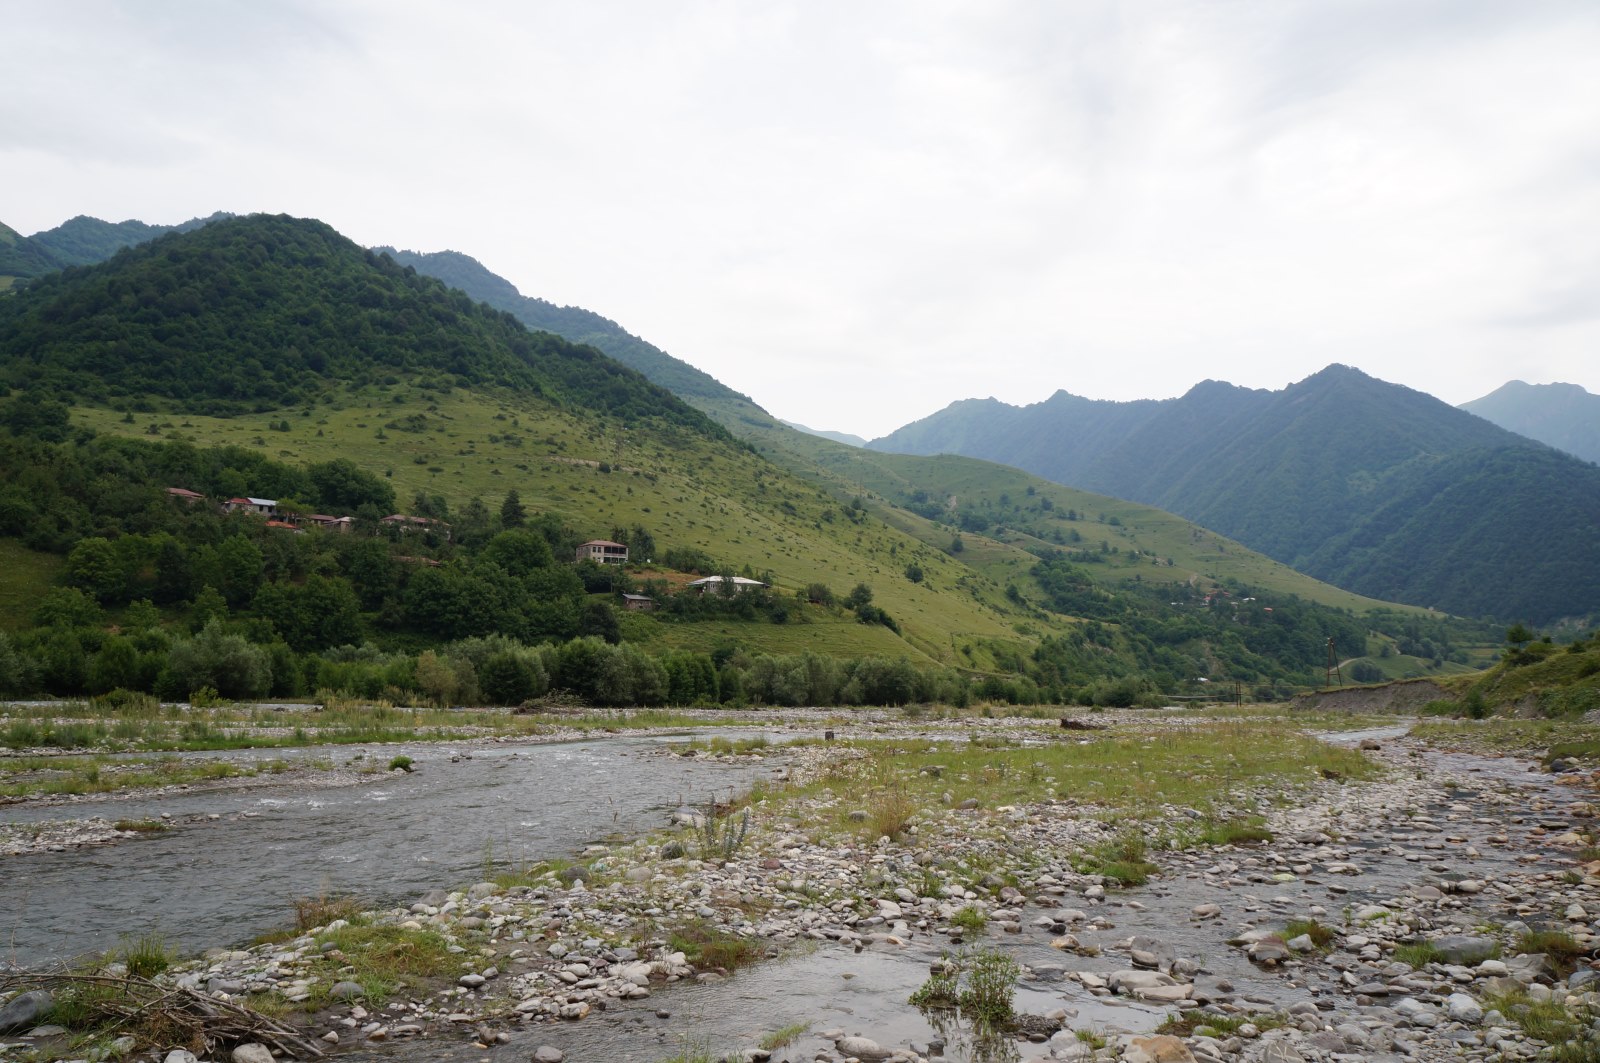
[{"x": 858, "y": 212}]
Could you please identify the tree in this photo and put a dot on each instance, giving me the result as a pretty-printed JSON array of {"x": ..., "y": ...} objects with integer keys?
[
  {"x": 914, "y": 573},
  {"x": 601, "y": 620},
  {"x": 93, "y": 567},
  {"x": 227, "y": 663},
  {"x": 512, "y": 513},
  {"x": 860, "y": 595},
  {"x": 342, "y": 486},
  {"x": 66, "y": 607}
]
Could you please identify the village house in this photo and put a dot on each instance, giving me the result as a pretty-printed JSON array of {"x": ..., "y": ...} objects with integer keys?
[
  {"x": 411, "y": 524},
  {"x": 327, "y": 523},
  {"x": 604, "y": 552},
  {"x": 638, "y": 603},
  {"x": 183, "y": 494},
  {"x": 723, "y": 585},
  {"x": 286, "y": 526},
  {"x": 261, "y": 507}
]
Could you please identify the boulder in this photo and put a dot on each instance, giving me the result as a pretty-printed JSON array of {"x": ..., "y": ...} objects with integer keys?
[
  {"x": 861, "y": 1048},
  {"x": 252, "y": 1052},
  {"x": 25, "y": 1010},
  {"x": 1469, "y": 949}
]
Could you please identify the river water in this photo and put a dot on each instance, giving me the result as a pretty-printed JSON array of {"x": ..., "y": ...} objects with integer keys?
[
  {"x": 207, "y": 883},
  {"x": 204, "y": 884}
]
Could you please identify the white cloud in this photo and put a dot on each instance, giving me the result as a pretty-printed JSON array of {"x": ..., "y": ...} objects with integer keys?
[{"x": 859, "y": 213}]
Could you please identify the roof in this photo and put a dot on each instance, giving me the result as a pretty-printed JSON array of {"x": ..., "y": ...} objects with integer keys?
[
  {"x": 737, "y": 581},
  {"x": 252, "y": 502},
  {"x": 602, "y": 542},
  {"x": 397, "y": 517},
  {"x": 637, "y": 598},
  {"x": 184, "y": 492}
]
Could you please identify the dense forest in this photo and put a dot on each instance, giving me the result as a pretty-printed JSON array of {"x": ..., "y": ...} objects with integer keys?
[{"x": 263, "y": 312}]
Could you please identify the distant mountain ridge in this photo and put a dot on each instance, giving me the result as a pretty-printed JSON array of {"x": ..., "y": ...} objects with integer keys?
[
  {"x": 570, "y": 322},
  {"x": 1565, "y": 416},
  {"x": 846, "y": 438},
  {"x": 79, "y": 241},
  {"x": 1365, "y": 484}
]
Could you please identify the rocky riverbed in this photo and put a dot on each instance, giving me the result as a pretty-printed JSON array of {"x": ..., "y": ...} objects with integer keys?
[{"x": 1417, "y": 917}]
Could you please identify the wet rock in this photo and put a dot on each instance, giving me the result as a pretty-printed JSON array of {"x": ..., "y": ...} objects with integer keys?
[
  {"x": 861, "y": 1048},
  {"x": 180, "y": 1055},
  {"x": 25, "y": 1010},
  {"x": 548, "y": 1054},
  {"x": 251, "y": 1052}
]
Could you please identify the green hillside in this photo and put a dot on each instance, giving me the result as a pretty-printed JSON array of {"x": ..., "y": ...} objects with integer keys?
[
  {"x": 1369, "y": 485},
  {"x": 271, "y": 357}
]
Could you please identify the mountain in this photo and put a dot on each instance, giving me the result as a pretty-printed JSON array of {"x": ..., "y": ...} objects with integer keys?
[
  {"x": 1563, "y": 415},
  {"x": 293, "y": 304},
  {"x": 838, "y": 437},
  {"x": 79, "y": 241},
  {"x": 252, "y": 343},
  {"x": 571, "y": 322},
  {"x": 1368, "y": 485}
]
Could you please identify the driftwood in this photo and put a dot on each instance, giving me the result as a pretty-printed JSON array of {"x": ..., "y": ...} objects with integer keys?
[{"x": 167, "y": 1016}]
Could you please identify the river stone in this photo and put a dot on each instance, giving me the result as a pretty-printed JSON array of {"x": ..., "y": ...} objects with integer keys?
[
  {"x": 1464, "y": 948},
  {"x": 347, "y": 991},
  {"x": 1463, "y": 1008},
  {"x": 252, "y": 1052},
  {"x": 548, "y": 1054},
  {"x": 861, "y": 1048},
  {"x": 25, "y": 1010},
  {"x": 1282, "y": 1052},
  {"x": 180, "y": 1055},
  {"x": 1161, "y": 1048}
]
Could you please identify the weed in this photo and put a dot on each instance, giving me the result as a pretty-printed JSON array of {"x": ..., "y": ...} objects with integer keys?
[
  {"x": 720, "y": 836},
  {"x": 784, "y": 1036},
  {"x": 145, "y": 956},
  {"x": 400, "y": 763},
  {"x": 980, "y": 984},
  {"x": 1321, "y": 936},
  {"x": 1123, "y": 860},
  {"x": 889, "y": 813},
  {"x": 1418, "y": 955},
  {"x": 140, "y": 826},
  {"x": 383, "y": 956},
  {"x": 1560, "y": 947},
  {"x": 970, "y": 919},
  {"x": 312, "y": 912},
  {"x": 706, "y": 945}
]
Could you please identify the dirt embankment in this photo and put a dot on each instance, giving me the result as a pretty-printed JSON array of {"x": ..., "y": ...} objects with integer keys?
[{"x": 1405, "y": 696}]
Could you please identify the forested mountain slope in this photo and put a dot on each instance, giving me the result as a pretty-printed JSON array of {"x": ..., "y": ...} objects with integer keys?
[
  {"x": 1371, "y": 486},
  {"x": 1565, "y": 416}
]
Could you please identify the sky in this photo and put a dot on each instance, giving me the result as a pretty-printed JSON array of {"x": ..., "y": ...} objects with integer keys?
[{"x": 859, "y": 212}]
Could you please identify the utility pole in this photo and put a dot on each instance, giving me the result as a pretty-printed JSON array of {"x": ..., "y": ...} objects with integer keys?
[{"x": 1333, "y": 666}]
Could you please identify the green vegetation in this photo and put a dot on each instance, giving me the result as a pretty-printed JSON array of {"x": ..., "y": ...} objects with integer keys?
[
  {"x": 145, "y": 956},
  {"x": 970, "y": 919},
  {"x": 355, "y": 387},
  {"x": 1123, "y": 860},
  {"x": 706, "y": 945},
  {"x": 1126, "y": 772},
  {"x": 1321, "y": 935},
  {"x": 1195, "y": 1023},
  {"x": 1419, "y": 954},
  {"x": 783, "y": 1036},
  {"x": 1552, "y": 1022},
  {"x": 979, "y": 983},
  {"x": 1374, "y": 487},
  {"x": 1559, "y": 947},
  {"x": 382, "y": 957}
]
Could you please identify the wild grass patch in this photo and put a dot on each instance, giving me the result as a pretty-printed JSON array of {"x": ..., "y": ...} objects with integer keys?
[{"x": 706, "y": 945}]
